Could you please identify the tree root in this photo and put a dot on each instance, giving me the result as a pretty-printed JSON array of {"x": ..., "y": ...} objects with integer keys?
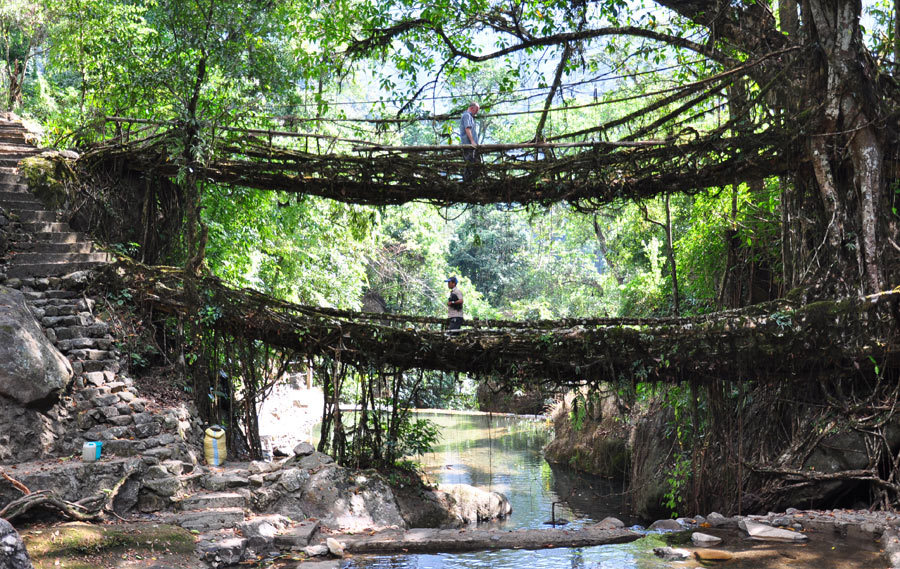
[{"x": 90, "y": 508}]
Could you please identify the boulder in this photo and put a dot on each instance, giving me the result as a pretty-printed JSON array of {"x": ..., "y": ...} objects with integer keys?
[
  {"x": 304, "y": 449},
  {"x": 12, "y": 551},
  {"x": 345, "y": 499},
  {"x": 476, "y": 505},
  {"x": 423, "y": 507},
  {"x": 32, "y": 371}
]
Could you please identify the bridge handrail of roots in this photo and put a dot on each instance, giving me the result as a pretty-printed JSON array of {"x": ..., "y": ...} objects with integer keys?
[{"x": 780, "y": 340}]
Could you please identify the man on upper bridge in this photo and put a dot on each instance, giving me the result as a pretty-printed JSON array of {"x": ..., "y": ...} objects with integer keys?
[
  {"x": 454, "y": 307},
  {"x": 468, "y": 138}
]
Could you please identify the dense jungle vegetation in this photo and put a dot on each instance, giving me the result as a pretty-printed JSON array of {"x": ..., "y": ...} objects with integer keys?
[{"x": 817, "y": 214}]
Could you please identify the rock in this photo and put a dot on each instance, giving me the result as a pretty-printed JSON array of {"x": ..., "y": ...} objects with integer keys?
[
  {"x": 713, "y": 555},
  {"x": 293, "y": 479},
  {"x": 345, "y": 499},
  {"x": 665, "y": 525},
  {"x": 716, "y": 519},
  {"x": 610, "y": 523},
  {"x": 304, "y": 449},
  {"x": 316, "y": 550},
  {"x": 165, "y": 487},
  {"x": 71, "y": 480},
  {"x": 476, "y": 505},
  {"x": 671, "y": 554},
  {"x": 32, "y": 370},
  {"x": 335, "y": 547},
  {"x": 313, "y": 461},
  {"x": 704, "y": 539},
  {"x": 423, "y": 507},
  {"x": 261, "y": 531},
  {"x": 12, "y": 550},
  {"x": 782, "y": 521},
  {"x": 225, "y": 553},
  {"x": 763, "y": 532},
  {"x": 298, "y": 536},
  {"x": 25, "y": 434}
]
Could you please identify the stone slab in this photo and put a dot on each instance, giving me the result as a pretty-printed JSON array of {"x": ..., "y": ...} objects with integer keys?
[
  {"x": 455, "y": 540},
  {"x": 298, "y": 536}
]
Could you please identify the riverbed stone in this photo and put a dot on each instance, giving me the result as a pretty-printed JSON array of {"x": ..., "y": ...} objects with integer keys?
[
  {"x": 610, "y": 523},
  {"x": 665, "y": 525},
  {"x": 704, "y": 539},
  {"x": 316, "y": 550},
  {"x": 335, "y": 547},
  {"x": 671, "y": 553},
  {"x": 764, "y": 532}
]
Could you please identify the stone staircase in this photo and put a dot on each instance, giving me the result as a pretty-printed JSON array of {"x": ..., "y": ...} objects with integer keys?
[
  {"x": 46, "y": 262},
  {"x": 206, "y": 511},
  {"x": 49, "y": 247}
]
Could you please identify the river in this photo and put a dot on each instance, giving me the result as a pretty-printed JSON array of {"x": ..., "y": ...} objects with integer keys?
[{"x": 503, "y": 453}]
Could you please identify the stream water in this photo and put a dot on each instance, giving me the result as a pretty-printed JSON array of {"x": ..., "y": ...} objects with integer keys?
[{"x": 503, "y": 453}]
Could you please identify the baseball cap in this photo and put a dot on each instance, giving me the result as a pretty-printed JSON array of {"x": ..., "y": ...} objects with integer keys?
[{"x": 451, "y": 280}]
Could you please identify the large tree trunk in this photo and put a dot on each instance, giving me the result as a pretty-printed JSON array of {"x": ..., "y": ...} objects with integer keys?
[{"x": 841, "y": 241}]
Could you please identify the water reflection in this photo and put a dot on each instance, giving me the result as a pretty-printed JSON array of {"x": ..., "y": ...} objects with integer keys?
[{"x": 503, "y": 454}]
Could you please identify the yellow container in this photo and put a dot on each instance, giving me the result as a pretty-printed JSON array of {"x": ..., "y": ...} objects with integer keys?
[{"x": 214, "y": 446}]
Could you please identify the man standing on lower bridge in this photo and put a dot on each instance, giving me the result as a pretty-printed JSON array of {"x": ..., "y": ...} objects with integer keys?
[{"x": 454, "y": 306}]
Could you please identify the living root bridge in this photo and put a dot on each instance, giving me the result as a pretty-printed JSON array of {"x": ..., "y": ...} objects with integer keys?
[
  {"x": 779, "y": 340},
  {"x": 599, "y": 173}
]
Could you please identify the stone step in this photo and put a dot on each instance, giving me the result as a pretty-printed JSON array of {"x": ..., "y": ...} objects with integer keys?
[
  {"x": 12, "y": 148},
  {"x": 59, "y": 237},
  {"x": 49, "y": 247},
  {"x": 214, "y": 500},
  {"x": 40, "y": 213},
  {"x": 27, "y": 258},
  {"x": 86, "y": 355},
  {"x": 46, "y": 226},
  {"x": 20, "y": 200},
  {"x": 66, "y": 321},
  {"x": 76, "y": 302},
  {"x": 84, "y": 344},
  {"x": 49, "y": 269},
  {"x": 50, "y": 294},
  {"x": 12, "y": 183},
  {"x": 206, "y": 520},
  {"x": 88, "y": 366},
  {"x": 95, "y": 330}
]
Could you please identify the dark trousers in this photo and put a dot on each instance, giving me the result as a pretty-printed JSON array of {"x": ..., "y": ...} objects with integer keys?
[
  {"x": 473, "y": 164},
  {"x": 454, "y": 324}
]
